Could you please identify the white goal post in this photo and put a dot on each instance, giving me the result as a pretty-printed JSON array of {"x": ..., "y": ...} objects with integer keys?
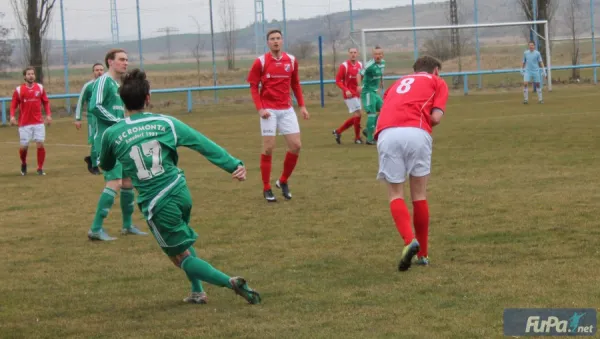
[{"x": 363, "y": 38}]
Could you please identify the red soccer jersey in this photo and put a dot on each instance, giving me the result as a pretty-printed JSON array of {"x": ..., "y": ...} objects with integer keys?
[
  {"x": 346, "y": 78},
  {"x": 30, "y": 101},
  {"x": 276, "y": 76},
  {"x": 410, "y": 101}
]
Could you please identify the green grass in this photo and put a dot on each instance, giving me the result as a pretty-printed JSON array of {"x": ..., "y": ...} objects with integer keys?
[{"x": 512, "y": 199}]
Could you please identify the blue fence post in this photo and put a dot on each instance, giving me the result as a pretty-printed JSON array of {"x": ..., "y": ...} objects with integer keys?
[
  {"x": 466, "y": 84},
  {"x": 321, "y": 83},
  {"x": 3, "y": 112},
  {"x": 189, "y": 100},
  {"x": 414, "y": 24}
]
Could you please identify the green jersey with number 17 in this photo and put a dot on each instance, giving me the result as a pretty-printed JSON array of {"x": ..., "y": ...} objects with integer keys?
[
  {"x": 372, "y": 75},
  {"x": 146, "y": 145}
]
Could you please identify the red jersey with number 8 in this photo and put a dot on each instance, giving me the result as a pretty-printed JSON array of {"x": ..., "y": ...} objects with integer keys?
[{"x": 410, "y": 101}]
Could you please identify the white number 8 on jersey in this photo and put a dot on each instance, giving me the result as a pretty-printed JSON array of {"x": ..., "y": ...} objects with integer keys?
[{"x": 405, "y": 85}]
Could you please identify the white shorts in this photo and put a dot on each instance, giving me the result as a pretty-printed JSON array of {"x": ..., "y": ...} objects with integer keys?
[
  {"x": 30, "y": 133},
  {"x": 403, "y": 151},
  {"x": 353, "y": 104},
  {"x": 283, "y": 120}
]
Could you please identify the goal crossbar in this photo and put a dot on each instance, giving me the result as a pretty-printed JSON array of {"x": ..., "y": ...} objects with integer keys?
[{"x": 363, "y": 32}]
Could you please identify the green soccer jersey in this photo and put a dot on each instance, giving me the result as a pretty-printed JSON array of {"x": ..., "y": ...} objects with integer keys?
[
  {"x": 146, "y": 146},
  {"x": 372, "y": 75},
  {"x": 105, "y": 103},
  {"x": 84, "y": 99}
]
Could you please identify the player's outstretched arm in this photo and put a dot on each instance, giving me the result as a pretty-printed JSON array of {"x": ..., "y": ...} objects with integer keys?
[
  {"x": 107, "y": 158},
  {"x": 217, "y": 155},
  {"x": 96, "y": 105}
]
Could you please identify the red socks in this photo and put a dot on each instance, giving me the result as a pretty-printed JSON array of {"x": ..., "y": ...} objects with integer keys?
[
  {"x": 23, "y": 155},
  {"x": 402, "y": 219},
  {"x": 265, "y": 170},
  {"x": 347, "y": 124},
  {"x": 353, "y": 121},
  {"x": 357, "y": 128},
  {"x": 288, "y": 166},
  {"x": 41, "y": 156},
  {"x": 421, "y": 220}
]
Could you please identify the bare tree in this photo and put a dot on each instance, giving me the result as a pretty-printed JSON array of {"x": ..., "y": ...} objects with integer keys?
[
  {"x": 302, "y": 49},
  {"x": 34, "y": 19},
  {"x": 572, "y": 14},
  {"x": 197, "y": 48},
  {"x": 229, "y": 31},
  {"x": 6, "y": 48},
  {"x": 334, "y": 37},
  {"x": 546, "y": 9}
]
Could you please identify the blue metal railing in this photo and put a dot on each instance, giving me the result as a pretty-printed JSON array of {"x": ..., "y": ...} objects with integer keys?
[{"x": 188, "y": 90}]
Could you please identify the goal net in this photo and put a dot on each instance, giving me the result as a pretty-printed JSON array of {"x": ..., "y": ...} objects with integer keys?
[{"x": 490, "y": 54}]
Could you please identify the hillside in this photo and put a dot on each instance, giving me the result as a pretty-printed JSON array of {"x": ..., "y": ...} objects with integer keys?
[{"x": 310, "y": 29}]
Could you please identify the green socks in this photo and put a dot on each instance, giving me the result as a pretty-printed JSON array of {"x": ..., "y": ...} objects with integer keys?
[
  {"x": 198, "y": 269},
  {"x": 127, "y": 206},
  {"x": 371, "y": 123},
  {"x": 196, "y": 284},
  {"x": 107, "y": 199}
]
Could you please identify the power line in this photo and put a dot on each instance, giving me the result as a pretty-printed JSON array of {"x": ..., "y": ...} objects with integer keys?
[{"x": 168, "y": 30}]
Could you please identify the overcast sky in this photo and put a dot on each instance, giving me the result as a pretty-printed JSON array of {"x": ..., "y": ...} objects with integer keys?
[{"x": 90, "y": 19}]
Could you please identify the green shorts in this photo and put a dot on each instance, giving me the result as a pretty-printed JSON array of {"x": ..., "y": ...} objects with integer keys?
[
  {"x": 170, "y": 223},
  {"x": 371, "y": 102},
  {"x": 116, "y": 173}
]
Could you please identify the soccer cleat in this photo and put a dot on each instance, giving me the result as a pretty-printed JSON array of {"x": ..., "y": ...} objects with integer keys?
[
  {"x": 338, "y": 137},
  {"x": 372, "y": 142},
  {"x": 240, "y": 287},
  {"x": 101, "y": 236},
  {"x": 408, "y": 252},
  {"x": 421, "y": 261},
  {"x": 541, "y": 102},
  {"x": 285, "y": 190},
  {"x": 358, "y": 141},
  {"x": 268, "y": 194},
  {"x": 196, "y": 298},
  {"x": 525, "y": 102},
  {"x": 41, "y": 172},
  {"x": 23, "y": 169},
  {"x": 132, "y": 230},
  {"x": 364, "y": 132}
]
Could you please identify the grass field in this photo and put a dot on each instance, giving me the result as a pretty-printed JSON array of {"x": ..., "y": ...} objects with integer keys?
[{"x": 513, "y": 201}]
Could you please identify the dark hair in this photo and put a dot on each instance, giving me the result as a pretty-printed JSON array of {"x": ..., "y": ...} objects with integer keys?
[
  {"x": 97, "y": 64},
  {"x": 273, "y": 31},
  {"x": 28, "y": 68},
  {"x": 377, "y": 47},
  {"x": 349, "y": 48},
  {"x": 427, "y": 64},
  {"x": 111, "y": 55},
  {"x": 134, "y": 90}
]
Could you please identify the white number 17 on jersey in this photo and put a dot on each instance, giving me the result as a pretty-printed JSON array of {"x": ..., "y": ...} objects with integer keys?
[{"x": 150, "y": 149}]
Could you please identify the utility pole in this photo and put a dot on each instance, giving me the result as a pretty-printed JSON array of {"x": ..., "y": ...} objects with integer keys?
[
  {"x": 168, "y": 31},
  {"x": 455, "y": 37},
  {"x": 114, "y": 22}
]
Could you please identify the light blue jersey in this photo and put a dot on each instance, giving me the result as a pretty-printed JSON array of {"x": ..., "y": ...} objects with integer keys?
[{"x": 532, "y": 61}]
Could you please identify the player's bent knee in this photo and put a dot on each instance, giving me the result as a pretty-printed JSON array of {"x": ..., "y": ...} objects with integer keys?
[
  {"x": 115, "y": 185},
  {"x": 180, "y": 258},
  {"x": 395, "y": 191}
]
